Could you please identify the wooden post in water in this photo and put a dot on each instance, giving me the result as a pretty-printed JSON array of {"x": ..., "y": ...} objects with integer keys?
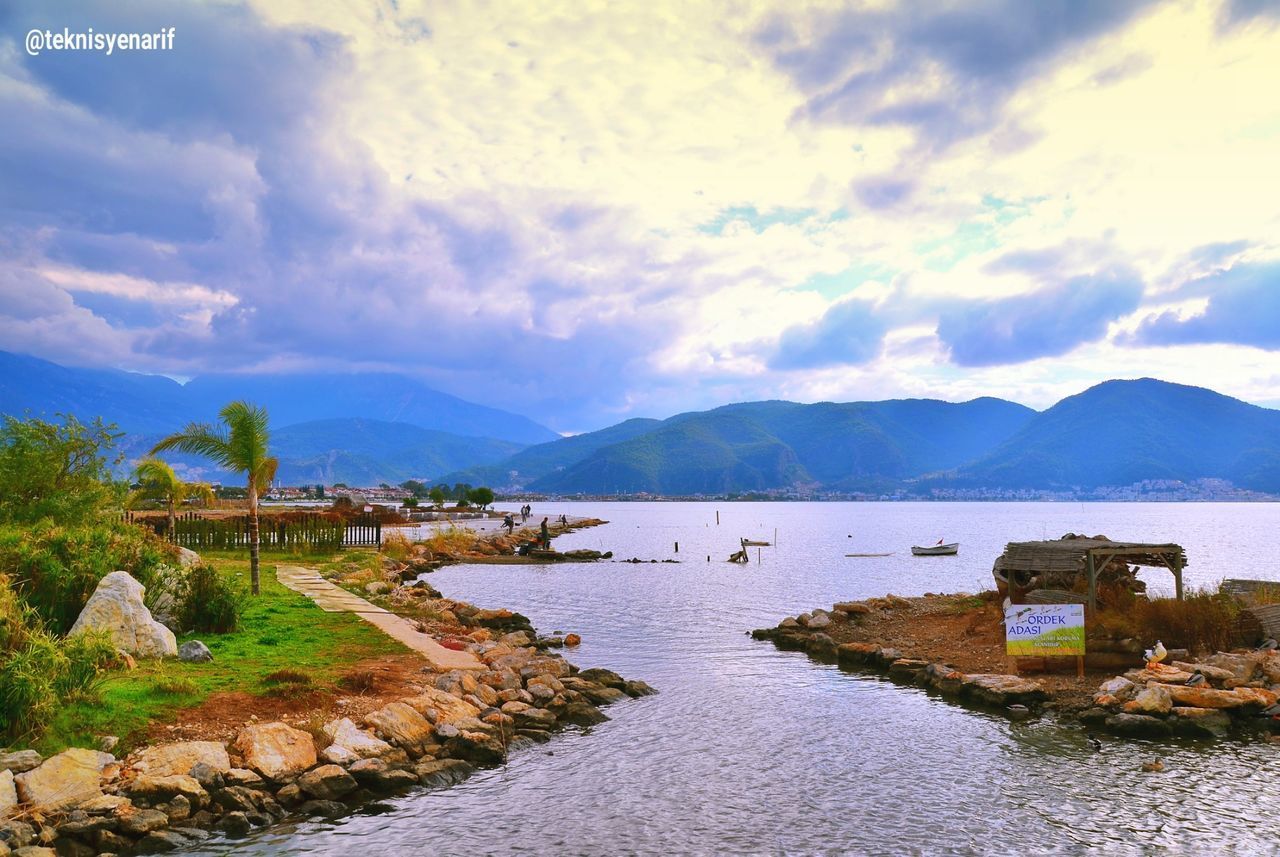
[
  {"x": 677, "y": 547},
  {"x": 757, "y": 556},
  {"x": 717, "y": 517}
]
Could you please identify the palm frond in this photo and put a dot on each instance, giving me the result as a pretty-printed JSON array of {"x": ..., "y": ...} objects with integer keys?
[
  {"x": 200, "y": 439},
  {"x": 265, "y": 474}
]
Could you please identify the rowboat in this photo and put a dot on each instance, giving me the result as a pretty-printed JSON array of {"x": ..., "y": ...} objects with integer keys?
[
  {"x": 936, "y": 550},
  {"x": 869, "y": 554}
]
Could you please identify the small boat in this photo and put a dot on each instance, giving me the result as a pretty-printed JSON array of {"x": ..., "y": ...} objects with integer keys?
[
  {"x": 936, "y": 550},
  {"x": 748, "y": 543},
  {"x": 870, "y": 554}
]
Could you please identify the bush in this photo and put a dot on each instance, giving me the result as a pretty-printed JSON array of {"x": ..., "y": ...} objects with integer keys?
[
  {"x": 1205, "y": 620},
  {"x": 396, "y": 546},
  {"x": 208, "y": 602},
  {"x": 55, "y": 568},
  {"x": 59, "y": 471}
]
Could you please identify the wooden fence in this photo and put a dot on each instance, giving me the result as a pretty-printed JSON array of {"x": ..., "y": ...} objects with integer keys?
[{"x": 312, "y": 532}]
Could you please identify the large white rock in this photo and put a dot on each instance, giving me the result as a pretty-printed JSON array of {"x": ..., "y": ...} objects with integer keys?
[
  {"x": 63, "y": 781},
  {"x": 166, "y": 760},
  {"x": 116, "y": 607},
  {"x": 350, "y": 742},
  {"x": 276, "y": 750}
]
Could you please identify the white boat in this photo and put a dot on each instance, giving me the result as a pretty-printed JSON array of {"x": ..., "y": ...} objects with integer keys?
[{"x": 936, "y": 550}]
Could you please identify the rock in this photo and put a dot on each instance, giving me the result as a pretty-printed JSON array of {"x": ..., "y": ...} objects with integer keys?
[
  {"x": 327, "y": 782},
  {"x": 820, "y": 646},
  {"x": 1138, "y": 726},
  {"x": 1217, "y": 675},
  {"x": 17, "y": 834},
  {"x": 855, "y": 654},
  {"x": 178, "y": 808},
  {"x": 195, "y": 652},
  {"x": 535, "y": 718},
  {"x": 326, "y": 808},
  {"x": 207, "y": 777},
  {"x": 20, "y": 761},
  {"x": 291, "y": 795},
  {"x": 1151, "y": 700},
  {"x": 447, "y": 707},
  {"x": 1157, "y": 672},
  {"x": 377, "y": 587},
  {"x": 157, "y": 789},
  {"x": 582, "y": 714},
  {"x": 1242, "y": 666},
  {"x": 367, "y": 771},
  {"x": 116, "y": 608},
  {"x": 349, "y": 743},
  {"x": 819, "y": 620},
  {"x": 187, "y": 557},
  {"x": 63, "y": 781},
  {"x": 1004, "y": 690},
  {"x": 789, "y": 622},
  {"x": 572, "y": 640},
  {"x": 403, "y": 726},
  {"x": 1119, "y": 687},
  {"x": 107, "y": 743},
  {"x": 635, "y": 687},
  {"x": 243, "y": 777},
  {"x": 1208, "y": 697},
  {"x": 162, "y": 842},
  {"x": 106, "y": 805},
  {"x": 1201, "y": 722},
  {"x": 907, "y": 668},
  {"x": 35, "y": 851},
  {"x": 442, "y": 772},
  {"x": 1018, "y": 713},
  {"x": 8, "y": 793},
  {"x": 234, "y": 824},
  {"x": 608, "y": 678},
  {"x": 164, "y": 760},
  {"x": 851, "y": 608},
  {"x": 143, "y": 821},
  {"x": 275, "y": 750}
]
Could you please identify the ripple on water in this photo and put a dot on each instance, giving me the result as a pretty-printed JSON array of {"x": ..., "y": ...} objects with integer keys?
[{"x": 750, "y": 750}]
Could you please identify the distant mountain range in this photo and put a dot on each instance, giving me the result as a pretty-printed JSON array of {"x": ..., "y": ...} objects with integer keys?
[
  {"x": 364, "y": 429},
  {"x": 357, "y": 428}
]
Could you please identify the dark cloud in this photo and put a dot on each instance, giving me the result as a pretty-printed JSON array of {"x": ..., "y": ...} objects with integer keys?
[
  {"x": 1238, "y": 12},
  {"x": 1044, "y": 323},
  {"x": 1243, "y": 309},
  {"x": 883, "y": 192},
  {"x": 848, "y": 333},
  {"x": 854, "y": 63}
]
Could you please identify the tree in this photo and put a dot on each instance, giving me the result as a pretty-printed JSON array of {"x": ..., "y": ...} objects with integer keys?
[
  {"x": 481, "y": 497},
  {"x": 157, "y": 481},
  {"x": 411, "y": 502},
  {"x": 437, "y": 495},
  {"x": 239, "y": 444},
  {"x": 414, "y": 487},
  {"x": 52, "y": 470}
]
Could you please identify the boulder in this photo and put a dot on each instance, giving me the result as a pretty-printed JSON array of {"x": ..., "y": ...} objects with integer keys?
[
  {"x": 851, "y": 608},
  {"x": 1217, "y": 675},
  {"x": 327, "y": 782},
  {"x": 1151, "y": 700},
  {"x": 143, "y": 821},
  {"x": 63, "y": 781},
  {"x": 608, "y": 678},
  {"x": 1004, "y": 690},
  {"x": 195, "y": 652},
  {"x": 116, "y": 608},
  {"x": 1157, "y": 672},
  {"x": 8, "y": 793},
  {"x": 1201, "y": 722},
  {"x": 819, "y": 620},
  {"x": 1208, "y": 697},
  {"x": 156, "y": 789},
  {"x": 1138, "y": 726},
  {"x": 1118, "y": 687},
  {"x": 442, "y": 772},
  {"x": 447, "y": 708},
  {"x": 349, "y": 743},
  {"x": 165, "y": 760},
  {"x": 275, "y": 750},
  {"x": 402, "y": 725},
  {"x": 1242, "y": 666},
  {"x": 20, "y": 761}
]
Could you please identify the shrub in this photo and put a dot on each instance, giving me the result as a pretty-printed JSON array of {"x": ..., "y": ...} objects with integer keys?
[
  {"x": 175, "y": 686},
  {"x": 56, "y": 470},
  {"x": 286, "y": 676},
  {"x": 357, "y": 681},
  {"x": 397, "y": 546},
  {"x": 55, "y": 568},
  {"x": 209, "y": 602},
  {"x": 1205, "y": 620}
]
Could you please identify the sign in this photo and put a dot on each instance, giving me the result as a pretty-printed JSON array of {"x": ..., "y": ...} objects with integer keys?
[{"x": 1038, "y": 630}]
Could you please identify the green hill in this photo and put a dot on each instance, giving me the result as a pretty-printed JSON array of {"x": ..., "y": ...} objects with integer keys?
[{"x": 1121, "y": 432}]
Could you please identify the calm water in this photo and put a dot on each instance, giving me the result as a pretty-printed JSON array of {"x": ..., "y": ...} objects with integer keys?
[{"x": 750, "y": 750}]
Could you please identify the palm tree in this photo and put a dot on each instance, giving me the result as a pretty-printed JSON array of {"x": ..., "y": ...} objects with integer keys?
[
  {"x": 157, "y": 481},
  {"x": 239, "y": 444}
]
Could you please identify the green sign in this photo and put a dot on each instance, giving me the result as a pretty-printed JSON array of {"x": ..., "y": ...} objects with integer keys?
[{"x": 1036, "y": 630}]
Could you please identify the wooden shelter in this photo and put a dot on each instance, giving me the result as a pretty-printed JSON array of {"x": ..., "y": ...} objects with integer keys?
[{"x": 1023, "y": 562}]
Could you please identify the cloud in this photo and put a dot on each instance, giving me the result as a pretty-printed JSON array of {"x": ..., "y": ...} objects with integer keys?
[
  {"x": 945, "y": 70},
  {"x": 848, "y": 333},
  {"x": 1243, "y": 309},
  {"x": 1044, "y": 323}
]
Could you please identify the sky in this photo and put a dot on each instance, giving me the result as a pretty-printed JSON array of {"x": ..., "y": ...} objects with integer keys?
[{"x": 586, "y": 212}]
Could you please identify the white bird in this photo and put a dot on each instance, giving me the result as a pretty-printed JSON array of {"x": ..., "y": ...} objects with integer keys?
[{"x": 1157, "y": 654}]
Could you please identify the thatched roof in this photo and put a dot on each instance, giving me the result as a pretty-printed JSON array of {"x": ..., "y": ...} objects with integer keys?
[{"x": 1071, "y": 554}]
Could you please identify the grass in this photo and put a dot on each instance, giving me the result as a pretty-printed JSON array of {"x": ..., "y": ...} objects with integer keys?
[{"x": 281, "y": 633}]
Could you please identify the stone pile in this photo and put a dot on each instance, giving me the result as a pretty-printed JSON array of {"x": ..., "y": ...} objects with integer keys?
[
  {"x": 173, "y": 796},
  {"x": 1017, "y": 696},
  {"x": 1207, "y": 698}
]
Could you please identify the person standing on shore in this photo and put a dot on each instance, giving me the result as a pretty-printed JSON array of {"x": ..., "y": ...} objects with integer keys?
[
  {"x": 546, "y": 535},
  {"x": 510, "y": 523}
]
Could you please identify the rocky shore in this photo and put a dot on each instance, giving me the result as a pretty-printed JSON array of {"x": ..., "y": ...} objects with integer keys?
[
  {"x": 936, "y": 642},
  {"x": 171, "y": 796},
  {"x": 482, "y": 547}
]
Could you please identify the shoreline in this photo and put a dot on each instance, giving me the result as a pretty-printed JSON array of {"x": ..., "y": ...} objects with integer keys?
[
  {"x": 316, "y": 752},
  {"x": 953, "y": 645}
]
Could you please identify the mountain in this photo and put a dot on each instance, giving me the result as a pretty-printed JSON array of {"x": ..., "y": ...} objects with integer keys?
[
  {"x": 767, "y": 445},
  {"x": 538, "y": 461},
  {"x": 297, "y": 398},
  {"x": 154, "y": 404},
  {"x": 139, "y": 403},
  {"x": 1121, "y": 432}
]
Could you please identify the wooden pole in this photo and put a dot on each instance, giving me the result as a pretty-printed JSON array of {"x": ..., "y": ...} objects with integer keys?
[
  {"x": 717, "y": 517},
  {"x": 1079, "y": 666},
  {"x": 677, "y": 547},
  {"x": 1093, "y": 581}
]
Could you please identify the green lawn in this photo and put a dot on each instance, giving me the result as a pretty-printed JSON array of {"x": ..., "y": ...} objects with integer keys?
[{"x": 279, "y": 629}]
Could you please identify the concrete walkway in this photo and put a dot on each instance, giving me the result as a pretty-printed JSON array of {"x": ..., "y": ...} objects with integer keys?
[{"x": 334, "y": 599}]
